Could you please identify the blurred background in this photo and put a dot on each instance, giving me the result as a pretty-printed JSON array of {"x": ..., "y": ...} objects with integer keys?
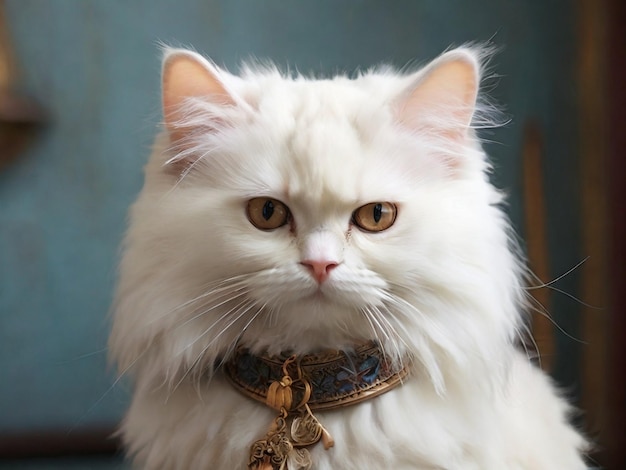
[{"x": 80, "y": 104}]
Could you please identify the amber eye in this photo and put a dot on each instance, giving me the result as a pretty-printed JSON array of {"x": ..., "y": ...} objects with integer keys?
[
  {"x": 266, "y": 213},
  {"x": 375, "y": 217}
]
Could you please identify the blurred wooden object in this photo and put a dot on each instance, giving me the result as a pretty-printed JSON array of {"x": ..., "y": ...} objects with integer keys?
[
  {"x": 537, "y": 243},
  {"x": 602, "y": 104},
  {"x": 49, "y": 444},
  {"x": 615, "y": 454},
  {"x": 20, "y": 116},
  {"x": 592, "y": 68}
]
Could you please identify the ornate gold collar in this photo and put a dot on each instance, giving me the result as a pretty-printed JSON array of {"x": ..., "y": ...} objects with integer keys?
[{"x": 297, "y": 385}]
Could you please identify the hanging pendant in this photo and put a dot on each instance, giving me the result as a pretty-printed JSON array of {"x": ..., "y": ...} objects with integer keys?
[
  {"x": 283, "y": 447},
  {"x": 305, "y": 430},
  {"x": 299, "y": 459},
  {"x": 271, "y": 452}
]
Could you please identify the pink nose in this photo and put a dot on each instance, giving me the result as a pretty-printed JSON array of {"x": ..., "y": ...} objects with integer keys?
[{"x": 319, "y": 269}]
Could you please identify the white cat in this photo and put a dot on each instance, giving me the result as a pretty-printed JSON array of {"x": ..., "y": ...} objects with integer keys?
[{"x": 297, "y": 216}]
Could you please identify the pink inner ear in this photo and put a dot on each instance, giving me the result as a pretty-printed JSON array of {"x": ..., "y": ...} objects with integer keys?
[
  {"x": 444, "y": 99},
  {"x": 187, "y": 75}
]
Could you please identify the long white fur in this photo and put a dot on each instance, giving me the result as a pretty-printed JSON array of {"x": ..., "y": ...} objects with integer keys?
[{"x": 441, "y": 289}]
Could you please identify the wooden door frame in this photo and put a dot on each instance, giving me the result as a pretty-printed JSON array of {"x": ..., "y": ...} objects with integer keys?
[
  {"x": 602, "y": 140},
  {"x": 616, "y": 383}
]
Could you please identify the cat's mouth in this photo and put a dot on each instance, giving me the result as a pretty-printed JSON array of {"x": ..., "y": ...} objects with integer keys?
[
  {"x": 328, "y": 292},
  {"x": 338, "y": 293},
  {"x": 319, "y": 293},
  {"x": 318, "y": 296}
]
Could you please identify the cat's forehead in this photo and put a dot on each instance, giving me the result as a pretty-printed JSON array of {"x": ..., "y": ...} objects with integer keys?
[
  {"x": 328, "y": 139},
  {"x": 337, "y": 96}
]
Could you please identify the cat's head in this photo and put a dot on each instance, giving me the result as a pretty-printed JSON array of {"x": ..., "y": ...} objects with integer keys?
[{"x": 284, "y": 213}]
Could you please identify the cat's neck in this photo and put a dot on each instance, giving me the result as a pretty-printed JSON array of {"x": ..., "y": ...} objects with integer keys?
[{"x": 323, "y": 380}]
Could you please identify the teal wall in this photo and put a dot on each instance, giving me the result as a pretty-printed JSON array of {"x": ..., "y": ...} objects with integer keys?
[{"x": 94, "y": 65}]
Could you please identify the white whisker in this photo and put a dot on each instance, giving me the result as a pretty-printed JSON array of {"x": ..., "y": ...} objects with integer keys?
[
  {"x": 539, "y": 308},
  {"x": 119, "y": 377},
  {"x": 245, "y": 302},
  {"x": 547, "y": 284},
  {"x": 369, "y": 317},
  {"x": 396, "y": 337},
  {"x": 527, "y": 333},
  {"x": 240, "y": 313},
  {"x": 233, "y": 345},
  {"x": 204, "y": 310}
]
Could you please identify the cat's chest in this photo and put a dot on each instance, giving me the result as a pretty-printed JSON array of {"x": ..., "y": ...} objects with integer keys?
[{"x": 404, "y": 428}]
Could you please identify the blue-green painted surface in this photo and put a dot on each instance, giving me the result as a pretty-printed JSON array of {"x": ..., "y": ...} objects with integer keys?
[{"x": 94, "y": 65}]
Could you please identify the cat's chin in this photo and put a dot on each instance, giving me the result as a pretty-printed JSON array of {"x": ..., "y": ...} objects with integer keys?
[
  {"x": 339, "y": 295},
  {"x": 314, "y": 341},
  {"x": 313, "y": 323},
  {"x": 318, "y": 310},
  {"x": 324, "y": 299}
]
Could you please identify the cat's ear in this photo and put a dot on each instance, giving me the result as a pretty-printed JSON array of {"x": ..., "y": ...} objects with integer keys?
[
  {"x": 442, "y": 100},
  {"x": 187, "y": 75}
]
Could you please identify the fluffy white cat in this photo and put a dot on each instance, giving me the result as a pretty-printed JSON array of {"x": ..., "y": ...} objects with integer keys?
[{"x": 284, "y": 214}]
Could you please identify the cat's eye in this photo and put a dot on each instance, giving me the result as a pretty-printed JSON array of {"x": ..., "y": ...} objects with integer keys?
[
  {"x": 375, "y": 216},
  {"x": 266, "y": 213}
]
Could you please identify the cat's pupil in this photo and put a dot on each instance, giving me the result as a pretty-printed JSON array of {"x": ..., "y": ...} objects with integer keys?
[
  {"x": 268, "y": 210},
  {"x": 378, "y": 212}
]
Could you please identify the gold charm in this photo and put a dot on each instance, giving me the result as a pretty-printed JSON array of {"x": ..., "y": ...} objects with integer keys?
[
  {"x": 283, "y": 445},
  {"x": 271, "y": 453},
  {"x": 327, "y": 439},
  {"x": 279, "y": 393},
  {"x": 299, "y": 459},
  {"x": 306, "y": 430}
]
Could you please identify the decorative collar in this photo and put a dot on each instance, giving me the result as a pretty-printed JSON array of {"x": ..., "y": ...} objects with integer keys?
[{"x": 297, "y": 385}]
